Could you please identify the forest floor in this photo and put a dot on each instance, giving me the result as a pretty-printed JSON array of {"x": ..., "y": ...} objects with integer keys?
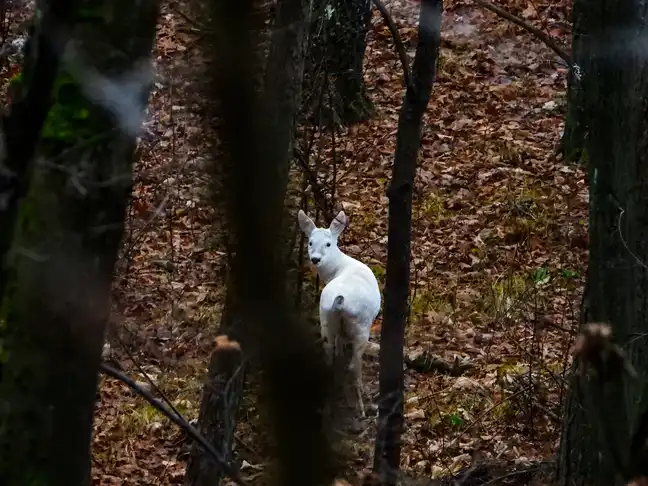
[{"x": 499, "y": 250}]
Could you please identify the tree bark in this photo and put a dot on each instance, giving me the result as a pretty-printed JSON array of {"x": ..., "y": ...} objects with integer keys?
[
  {"x": 338, "y": 45},
  {"x": 256, "y": 136},
  {"x": 597, "y": 423},
  {"x": 283, "y": 83},
  {"x": 221, "y": 400},
  {"x": 27, "y": 114},
  {"x": 573, "y": 140},
  {"x": 408, "y": 141},
  {"x": 55, "y": 305}
]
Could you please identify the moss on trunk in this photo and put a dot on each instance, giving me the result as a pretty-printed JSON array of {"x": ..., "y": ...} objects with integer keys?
[{"x": 63, "y": 253}]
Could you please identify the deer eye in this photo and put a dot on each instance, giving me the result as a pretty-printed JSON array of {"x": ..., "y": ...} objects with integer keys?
[
  {"x": 310, "y": 243},
  {"x": 328, "y": 244}
]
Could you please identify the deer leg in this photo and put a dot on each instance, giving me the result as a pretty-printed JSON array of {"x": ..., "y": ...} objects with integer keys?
[
  {"x": 328, "y": 334},
  {"x": 356, "y": 367},
  {"x": 360, "y": 391}
]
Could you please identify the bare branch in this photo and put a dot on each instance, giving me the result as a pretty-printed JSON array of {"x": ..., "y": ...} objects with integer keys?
[
  {"x": 177, "y": 419},
  {"x": 546, "y": 39},
  {"x": 398, "y": 41}
]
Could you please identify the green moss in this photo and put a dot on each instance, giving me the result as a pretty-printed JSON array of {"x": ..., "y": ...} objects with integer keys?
[
  {"x": 69, "y": 117},
  {"x": 379, "y": 272},
  {"x": 433, "y": 207},
  {"x": 577, "y": 156},
  {"x": 140, "y": 418},
  {"x": 429, "y": 302},
  {"x": 16, "y": 79},
  {"x": 512, "y": 285},
  {"x": 34, "y": 479},
  {"x": 505, "y": 292}
]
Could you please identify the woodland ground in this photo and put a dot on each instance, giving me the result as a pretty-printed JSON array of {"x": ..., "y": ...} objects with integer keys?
[{"x": 499, "y": 250}]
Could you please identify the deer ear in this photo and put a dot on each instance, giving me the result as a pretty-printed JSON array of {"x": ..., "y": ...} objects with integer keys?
[
  {"x": 305, "y": 223},
  {"x": 338, "y": 224}
]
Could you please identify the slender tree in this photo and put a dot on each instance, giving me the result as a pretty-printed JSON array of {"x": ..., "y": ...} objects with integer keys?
[
  {"x": 64, "y": 247},
  {"x": 408, "y": 141},
  {"x": 598, "y": 420}
]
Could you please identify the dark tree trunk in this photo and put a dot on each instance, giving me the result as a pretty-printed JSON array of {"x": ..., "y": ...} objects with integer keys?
[
  {"x": 408, "y": 141},
  {"x": 283, "y": 83},
  {"x": 222, "y": 395},
  {"x": 615, "y": 86},
  {"x": 256, "y": 135},
  {"x": 347, "y": 51},
  {"x": 22, "y": 127},
  {"x": 55, "y": 305},
  {"x": 338, "y": 44},
  {"x": 573, "y": 141},
  {"x": 294, "y": 373}
]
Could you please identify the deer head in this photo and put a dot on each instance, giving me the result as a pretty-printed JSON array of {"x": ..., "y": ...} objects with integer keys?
[{"x": 323, "y": 250}]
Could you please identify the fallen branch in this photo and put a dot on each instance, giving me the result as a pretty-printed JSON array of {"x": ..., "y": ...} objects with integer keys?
[
  {"x": 546, "y": 39},
  {"x": 150, "y": 380},
  {"x": 177, "y": 419}
]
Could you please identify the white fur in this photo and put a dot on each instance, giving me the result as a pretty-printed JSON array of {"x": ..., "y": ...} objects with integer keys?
[{"x": 350, "y": 301}]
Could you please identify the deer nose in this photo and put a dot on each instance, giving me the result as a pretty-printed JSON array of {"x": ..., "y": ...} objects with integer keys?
[{"x": 315, "y": 260}]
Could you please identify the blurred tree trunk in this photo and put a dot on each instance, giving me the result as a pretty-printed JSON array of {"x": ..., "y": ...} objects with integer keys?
[
  {"x": 573, "y": 141},
  {"x": 281, "y": 100},
  {"x": 408, "y": 141},
  {"x": 221, "y": 400},
  {"x": 29, "y": 107},
  {"x": 294, "y": 374},
  {"x": 338, "y": 43},
  {"x": 63, "y": 252},
  {"x": 615, "y": 93}
]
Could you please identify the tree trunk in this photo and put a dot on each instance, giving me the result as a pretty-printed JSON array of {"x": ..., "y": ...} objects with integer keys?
[
  {"x": 256, "y": 136},
  {"x": 27, "y": 114},
  {"x": 338, "y": 44},
  {"x": 220, "y": 404},
  {"x": 573, "y": 140},
  {"x": 408, "y": 141},
  {"x": 597, "y": 423},
  {"x": 347, "y": 51},
  {"x": 55, "y": 305},
  {"x": 283, "y": 83}
]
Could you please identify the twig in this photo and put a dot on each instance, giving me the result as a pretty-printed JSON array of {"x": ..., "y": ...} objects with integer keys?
[
  {"x": 623, "y": 241},
  {"x": 318, "y": 193},
  {"x": 526, "y": 470},
  {"x": 546, "y": 39},
  {"x": 195, "y": 24},
  {"x": 146, "y": 375},
  {"x": 398, "y": 41},
  {"x": 179, "y": 420},
  {"x": 486, "y": 412}
]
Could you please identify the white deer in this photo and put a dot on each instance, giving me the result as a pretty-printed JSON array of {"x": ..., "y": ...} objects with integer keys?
[{"x": 350, "y": 301}]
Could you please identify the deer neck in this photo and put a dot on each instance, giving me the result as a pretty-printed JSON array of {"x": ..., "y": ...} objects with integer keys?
[{"x": 331, "y": 271}]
